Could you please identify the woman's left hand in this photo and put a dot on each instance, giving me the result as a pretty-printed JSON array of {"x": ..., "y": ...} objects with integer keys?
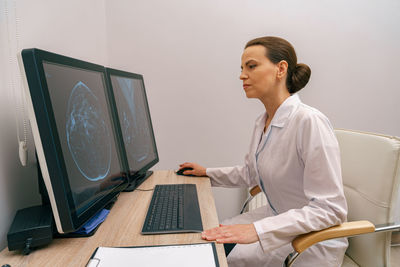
[{"x": 236, "y": 233}]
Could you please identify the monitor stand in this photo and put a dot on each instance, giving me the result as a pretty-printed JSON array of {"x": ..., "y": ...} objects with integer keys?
[{"x": 138, "y": 181}]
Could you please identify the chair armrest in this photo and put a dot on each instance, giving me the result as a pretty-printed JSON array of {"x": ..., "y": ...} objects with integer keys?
[
  {"x": 255, "y": 190},
  {"x": 302, "y": 242}
]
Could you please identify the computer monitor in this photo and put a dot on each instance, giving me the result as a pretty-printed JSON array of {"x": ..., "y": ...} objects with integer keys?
[
  {"x": 74, "y": 135},
  {"x": 133, "y": 115}
]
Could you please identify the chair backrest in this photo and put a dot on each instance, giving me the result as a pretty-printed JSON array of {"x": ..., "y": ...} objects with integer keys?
[{"x": 371, "y": 177}]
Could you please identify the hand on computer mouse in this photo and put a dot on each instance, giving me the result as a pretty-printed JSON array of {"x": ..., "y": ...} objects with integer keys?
[
  {"x": 193, "y": 169},
  {"x": 183, "y": 171}
]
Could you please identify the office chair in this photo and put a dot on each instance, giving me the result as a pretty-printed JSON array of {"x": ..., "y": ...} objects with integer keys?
[{"x": 371, "y": 178}]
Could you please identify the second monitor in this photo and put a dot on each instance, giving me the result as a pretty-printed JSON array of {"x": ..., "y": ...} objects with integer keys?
[{"x": 128, "y": 91}]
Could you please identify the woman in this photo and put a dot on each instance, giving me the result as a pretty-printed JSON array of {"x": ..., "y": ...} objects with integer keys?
[{"x": 294, "y": 158}]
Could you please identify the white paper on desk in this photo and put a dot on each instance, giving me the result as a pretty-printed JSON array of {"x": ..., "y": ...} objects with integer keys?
[{"x": 197, "y": 255}]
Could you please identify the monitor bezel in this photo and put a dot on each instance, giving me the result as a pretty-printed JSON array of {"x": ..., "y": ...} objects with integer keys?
[
  {"x": 47, "y": 141},
  {"x": 135, "y": 177}
]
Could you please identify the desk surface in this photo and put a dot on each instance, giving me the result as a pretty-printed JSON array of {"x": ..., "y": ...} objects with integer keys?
[{"x": 122, "y": 228}]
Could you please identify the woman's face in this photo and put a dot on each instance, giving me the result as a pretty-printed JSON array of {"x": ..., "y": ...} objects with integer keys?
[{"x": 259, "y": 74}]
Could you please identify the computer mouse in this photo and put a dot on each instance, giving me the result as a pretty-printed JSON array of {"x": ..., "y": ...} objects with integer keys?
[{"x": 180, "y": 172}]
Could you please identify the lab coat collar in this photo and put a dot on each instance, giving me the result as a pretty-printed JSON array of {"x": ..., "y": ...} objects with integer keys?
[{"x": 284, "y": 111}]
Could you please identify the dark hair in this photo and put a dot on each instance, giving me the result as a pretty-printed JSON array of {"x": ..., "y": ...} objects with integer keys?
[{"x": 279, "y": 49}]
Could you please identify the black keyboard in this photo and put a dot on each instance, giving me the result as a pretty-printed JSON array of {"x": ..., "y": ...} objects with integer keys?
[{"x": 174, "y": 208}]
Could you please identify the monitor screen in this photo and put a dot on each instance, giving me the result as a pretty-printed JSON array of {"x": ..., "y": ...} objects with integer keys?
[
  {"x": 135, "y": 122},
  {"x": 74, "y": 136}
]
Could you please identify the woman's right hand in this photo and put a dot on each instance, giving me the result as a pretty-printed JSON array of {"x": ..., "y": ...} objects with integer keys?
[{"x": 197, "y": 169}]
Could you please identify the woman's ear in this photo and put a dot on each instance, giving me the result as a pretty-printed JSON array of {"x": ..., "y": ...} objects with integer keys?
[{"x": 282, "y": 69}]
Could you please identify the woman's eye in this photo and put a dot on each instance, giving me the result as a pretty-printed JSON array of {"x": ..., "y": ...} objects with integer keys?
[{"x": 252, "y": 66}]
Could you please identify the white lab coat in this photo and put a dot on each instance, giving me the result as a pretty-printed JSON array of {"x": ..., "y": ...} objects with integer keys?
[{"x": 297, "y": 164}]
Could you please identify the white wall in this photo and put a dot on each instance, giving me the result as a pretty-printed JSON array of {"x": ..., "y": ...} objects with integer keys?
[
  {"x": 74, "y": 28},
  {"x": 353, "y": 50},
  {"x": 189, "y": 52}
]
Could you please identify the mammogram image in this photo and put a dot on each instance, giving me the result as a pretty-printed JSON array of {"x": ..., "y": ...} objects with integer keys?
[
  {"x": 88, "y": 137},
  {"x": 133, "y": 121}
]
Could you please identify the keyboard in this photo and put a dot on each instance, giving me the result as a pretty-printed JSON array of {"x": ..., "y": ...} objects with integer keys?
[{"x": 174, "y": 208}]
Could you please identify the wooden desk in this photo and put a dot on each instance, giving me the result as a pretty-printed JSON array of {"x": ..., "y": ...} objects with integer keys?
[{"x": 122, "y": 228}]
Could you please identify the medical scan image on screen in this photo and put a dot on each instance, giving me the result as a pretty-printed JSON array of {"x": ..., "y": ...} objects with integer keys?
[
  {"x": 135, "y": 121},
  {"x": 84, "y": 128},
  {"x": 88, "y": 137}
]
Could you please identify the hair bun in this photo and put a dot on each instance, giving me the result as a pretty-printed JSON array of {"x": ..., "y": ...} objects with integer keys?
[{"x": 300, "y": 77}]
